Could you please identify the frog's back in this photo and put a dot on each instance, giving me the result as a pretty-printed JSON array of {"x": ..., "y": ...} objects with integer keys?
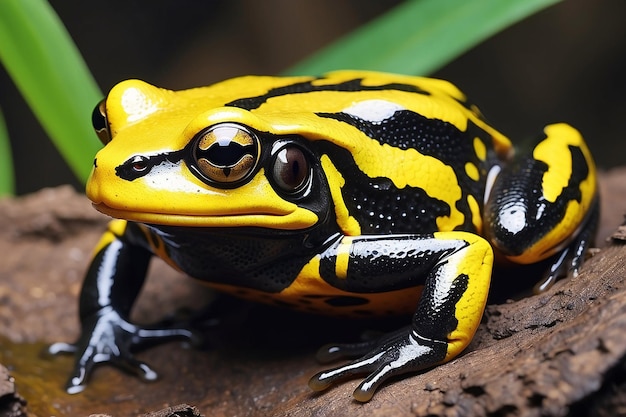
[{"x": 402, "y": 154}]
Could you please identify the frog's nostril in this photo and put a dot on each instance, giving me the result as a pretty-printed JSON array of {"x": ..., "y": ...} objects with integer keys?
[{"x": 95, "y": 162}]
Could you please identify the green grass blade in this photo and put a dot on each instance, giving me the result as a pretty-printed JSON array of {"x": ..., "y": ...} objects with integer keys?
[
  {"x": 7, "y": 180},
  {"x": 419, "y": 36},
  {"x": 44, "y": 63}
]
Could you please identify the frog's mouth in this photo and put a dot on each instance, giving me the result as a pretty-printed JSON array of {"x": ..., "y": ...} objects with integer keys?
[{"x": 299, "y": 218}]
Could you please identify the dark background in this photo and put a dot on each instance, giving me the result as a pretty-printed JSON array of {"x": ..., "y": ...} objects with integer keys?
[{"x": 566, "y": 63}]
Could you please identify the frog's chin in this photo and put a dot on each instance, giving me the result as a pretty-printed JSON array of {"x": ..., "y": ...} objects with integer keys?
[{"x": 297, "y": 219}]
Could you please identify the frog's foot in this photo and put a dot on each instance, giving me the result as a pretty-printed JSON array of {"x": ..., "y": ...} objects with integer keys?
[
  {"x": 570, "y": 259},
  {"x": 399, "y": 353},
  {"x": 107, "y": 337}
]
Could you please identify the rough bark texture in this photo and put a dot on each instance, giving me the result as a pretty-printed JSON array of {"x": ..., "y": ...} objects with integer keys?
[
  {"x": 11, "y": 404},
  {"x": 556, "y": 354}
]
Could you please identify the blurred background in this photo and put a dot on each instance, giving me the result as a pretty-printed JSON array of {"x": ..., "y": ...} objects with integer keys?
[{"x": 566, "y": 63}]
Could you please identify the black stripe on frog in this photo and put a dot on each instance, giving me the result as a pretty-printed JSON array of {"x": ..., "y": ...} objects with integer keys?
[{"x": 251, "y": 103}]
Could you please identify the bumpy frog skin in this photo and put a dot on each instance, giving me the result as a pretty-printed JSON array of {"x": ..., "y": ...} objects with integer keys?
[{"x": 355, "y": 193}]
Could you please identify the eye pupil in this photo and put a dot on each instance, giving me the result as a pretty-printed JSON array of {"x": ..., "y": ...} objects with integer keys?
[
  {"x": 295, "y": 176},
  {"x": 295, "y": 170},
  {"x": 226, "y": 155},
  {"x": 291, "y": 169}
]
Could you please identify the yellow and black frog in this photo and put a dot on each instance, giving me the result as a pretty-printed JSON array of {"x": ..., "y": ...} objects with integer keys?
[{"x": 354, "y": 193}]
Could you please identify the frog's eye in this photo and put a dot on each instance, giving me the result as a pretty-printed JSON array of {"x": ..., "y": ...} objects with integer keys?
[
  {"x": 225, "y": 154},
  {"x": 290, "y": 169},
  {"x": 100, "y": 122}
]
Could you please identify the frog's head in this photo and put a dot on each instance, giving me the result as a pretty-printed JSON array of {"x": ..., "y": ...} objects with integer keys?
[{"x": 182, "y": 158}]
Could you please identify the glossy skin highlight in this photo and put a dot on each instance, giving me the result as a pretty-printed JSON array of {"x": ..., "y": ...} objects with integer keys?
[{"x": 355, "y": 194}]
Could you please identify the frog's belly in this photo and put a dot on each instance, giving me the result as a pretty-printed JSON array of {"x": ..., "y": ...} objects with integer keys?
[
  {"x": 310, "y": 293},
  {"x": 274, "y": 270}
]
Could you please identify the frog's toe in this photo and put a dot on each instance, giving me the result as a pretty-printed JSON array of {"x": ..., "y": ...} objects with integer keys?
[
  {"x": 156, "y": 335},
  {"x": 78, "y": 380},
  {"x": 136, "y": 367},
  {"x": 325, "y": 379},
  {"x": 75, "y": 388},
  {"x": 366, "y": 389},
  {"x": 61, "y": 348},
  {"x": 336, "y": 351}
]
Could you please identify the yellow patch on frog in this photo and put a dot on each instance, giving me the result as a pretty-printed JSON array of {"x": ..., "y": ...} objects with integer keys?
[
  {"x": 133, "y": 100},
  {"x": 480, "y": 149},
  {"x": 343, "y": 257},
  {"x": 347, "y": 223},
  {"x": 472, "y": 171},
  {"x": 115, "y": 229},
  {"x": 477, "y": 219},
  {"x": 555, "y": 153},
  {"x": 476, "y": 262}
]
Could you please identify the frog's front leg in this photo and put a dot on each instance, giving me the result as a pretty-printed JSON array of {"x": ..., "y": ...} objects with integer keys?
[
  {"x": 455, "y": 270},
  {"x": 111, "y": 286}
]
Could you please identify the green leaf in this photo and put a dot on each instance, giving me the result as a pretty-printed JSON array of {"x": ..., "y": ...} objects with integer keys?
[
  {"x": 7, "y": 182},
  {"x": 47, "y": 68},
  {"x": 419, "y": 36}
]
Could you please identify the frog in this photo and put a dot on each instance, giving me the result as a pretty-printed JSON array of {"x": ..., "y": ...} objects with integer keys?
[{"x": 354, "y": 193}]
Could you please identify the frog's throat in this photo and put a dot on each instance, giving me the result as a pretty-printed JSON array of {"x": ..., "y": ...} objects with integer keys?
[{"x": 300, "y": 218}]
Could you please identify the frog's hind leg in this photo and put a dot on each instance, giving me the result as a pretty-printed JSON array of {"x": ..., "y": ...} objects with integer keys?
[
  {"x": 544, "y": 203},
  {"x": 449, "y": 311}
]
